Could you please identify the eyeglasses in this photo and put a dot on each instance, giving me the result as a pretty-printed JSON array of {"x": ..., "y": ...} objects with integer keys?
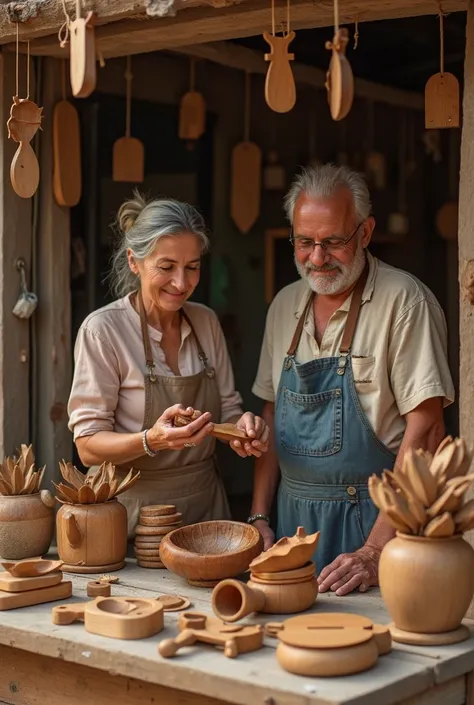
[{"x": 328, "y": 244}]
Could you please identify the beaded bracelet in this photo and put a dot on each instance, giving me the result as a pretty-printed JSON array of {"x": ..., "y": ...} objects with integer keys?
[{"x": 146, "y": 447}]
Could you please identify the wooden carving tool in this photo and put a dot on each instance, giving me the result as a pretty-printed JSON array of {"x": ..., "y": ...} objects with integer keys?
[
  {"x": 339, "y": 78},
  {"x": 223, "y": 431},
  {"x": 280, "y": 91},
  {"x": 442, "y": 94},
  {"x": 83, "y": 71}
]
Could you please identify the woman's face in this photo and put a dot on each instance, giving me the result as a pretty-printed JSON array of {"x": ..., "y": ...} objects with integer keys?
[{"x": 171, "y": 272}]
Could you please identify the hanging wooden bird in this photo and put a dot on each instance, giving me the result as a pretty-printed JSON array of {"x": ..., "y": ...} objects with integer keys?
[
  {"x": 280, "y": 91},
  {"x": 339, "y": 78}
]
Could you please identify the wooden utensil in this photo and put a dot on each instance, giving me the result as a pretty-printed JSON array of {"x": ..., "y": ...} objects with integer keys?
[
  {"x": 192, "y": 110},
  {"x": 128, "y": 152},
  {"x": 223, "y": 431},
  {"x": 195, "y": 626},
  {"x": 31, "y": 567},
  {"x": 66, "y": 151},
  {"x": 82, "y": 67},
  {"x": 442, "y": 93},
  {"x": 246, "y": 174},
  {"x": 339, "y": 78}
]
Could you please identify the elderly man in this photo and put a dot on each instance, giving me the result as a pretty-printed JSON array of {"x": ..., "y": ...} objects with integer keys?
[{"x": 353, "y": 370}]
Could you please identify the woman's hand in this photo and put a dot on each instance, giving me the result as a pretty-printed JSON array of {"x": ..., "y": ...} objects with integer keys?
[
  {"x": 266, "y": 532},
  {"x": 256, "y": 428},
  {"x": 165, "y": 436}
]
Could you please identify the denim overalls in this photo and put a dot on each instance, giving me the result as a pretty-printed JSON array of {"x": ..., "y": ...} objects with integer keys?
[{"x": 326, "y": 447}]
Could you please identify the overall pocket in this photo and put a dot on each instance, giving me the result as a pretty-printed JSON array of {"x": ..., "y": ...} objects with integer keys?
[{"x": 311, "y": 424}]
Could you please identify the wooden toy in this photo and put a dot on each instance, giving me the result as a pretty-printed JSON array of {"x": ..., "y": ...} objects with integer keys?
[
  {"x": 195, "y": 626},
  {"x": 98, "y": 588},
  {"x": 115, "y": 617},
  {"x": 210, "y": 551}
]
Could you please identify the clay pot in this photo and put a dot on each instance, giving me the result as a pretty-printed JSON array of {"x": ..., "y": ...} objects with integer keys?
[
  {"x": 426, "y": 583},
  {"x": 92, "y": 535},
  {"x": 26, "y": 525}
]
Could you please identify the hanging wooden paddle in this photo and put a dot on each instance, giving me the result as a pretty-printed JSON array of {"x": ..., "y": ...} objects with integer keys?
[
  {"x": 442, "y": 93},
  {"x": 83, "y": 54},
  {"x": 339, "y": 78},
  {"x": 24, "y": 122},
  {"x": 280, "y": 91},
  {"x": 246, "y": 174},
  {"x": 67, "y": 178},
  {"x": 192, "y": 111},
  {"x": 128, "y": 152}
]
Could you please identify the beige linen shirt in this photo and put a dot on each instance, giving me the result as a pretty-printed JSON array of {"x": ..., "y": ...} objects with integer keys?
[
  {"x": 399, "y": 351},
  {"x": 108, "y": 389}
]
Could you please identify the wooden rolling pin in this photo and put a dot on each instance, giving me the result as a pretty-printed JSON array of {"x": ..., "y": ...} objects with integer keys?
[{"x": 223, "y": 431}]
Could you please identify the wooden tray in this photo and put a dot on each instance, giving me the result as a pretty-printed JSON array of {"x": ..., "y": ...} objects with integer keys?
[
  {"x": 12, "y": 600},
  {"x": 10, "y": 583}
]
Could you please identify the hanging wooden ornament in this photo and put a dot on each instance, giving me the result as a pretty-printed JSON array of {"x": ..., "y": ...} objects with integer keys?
[
  {"x": 128, "y": 152},
  {"x": 442, "y": 93},
  {"x": 339, "y": 78},
  {"x": 280, "y": 91},
  {"x": 246, "y": 174},
  {"x": 192, "y": 111},
  {"x": 24, "y": 122},
  {"x": 83, "y": 54},
  {"x": 67, "y": 177}
]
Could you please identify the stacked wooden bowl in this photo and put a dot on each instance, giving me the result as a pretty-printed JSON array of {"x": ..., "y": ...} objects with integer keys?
[{"x": 156, "y": 521}]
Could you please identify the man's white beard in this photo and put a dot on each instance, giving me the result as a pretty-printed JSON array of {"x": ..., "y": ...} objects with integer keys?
[{"x": 343, "y": 277}]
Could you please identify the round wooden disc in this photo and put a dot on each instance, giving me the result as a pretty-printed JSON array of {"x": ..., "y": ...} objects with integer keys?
[
  {"x": 282, "y": 576},
  {"x": 150, "y": 564},
  {"x": 174, "y": 603},
  {"x": 162, "y": 521},
  {"x": 328, "y": 620},
  {"x": 151, "y": 553},
  {"x": 140, "y": 547},
  {"x": 157, "y": 510},
  {"x": 152, "y": 530},
  {"x": 460, "y": 634},
  {"x": 91, "y": 569},
  {"x": 148, "y": 539},
  {"x": 204, "y": 583},
  {"x": 324, "y": 638}
]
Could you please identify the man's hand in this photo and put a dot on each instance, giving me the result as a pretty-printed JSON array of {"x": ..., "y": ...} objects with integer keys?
[
  {"x": 266, "y": 533},
  {"x": 350, "y": 571}
]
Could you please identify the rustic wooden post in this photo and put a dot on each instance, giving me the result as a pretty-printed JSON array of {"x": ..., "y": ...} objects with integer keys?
[
  {"x": 15, "y": 242},
  {"x": 466, "y": 251},
  {"x": 53, "y": 325}
]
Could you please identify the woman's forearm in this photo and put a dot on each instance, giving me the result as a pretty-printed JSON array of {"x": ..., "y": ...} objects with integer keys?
[
  {"x": 108, "y": 446},
  {"x": 267, "y": 472}
]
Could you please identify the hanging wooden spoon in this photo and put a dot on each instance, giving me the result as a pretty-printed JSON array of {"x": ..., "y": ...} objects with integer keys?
[
  {"x": 66, "y": 151},
  {"x": 339, "y": 78}
]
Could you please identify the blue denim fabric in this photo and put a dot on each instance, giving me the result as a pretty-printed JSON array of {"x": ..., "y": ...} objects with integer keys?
[{"x": 327, "y": 450}]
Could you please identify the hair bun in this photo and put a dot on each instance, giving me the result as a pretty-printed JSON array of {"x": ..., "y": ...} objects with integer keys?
[{"x": 129, "y": 212}]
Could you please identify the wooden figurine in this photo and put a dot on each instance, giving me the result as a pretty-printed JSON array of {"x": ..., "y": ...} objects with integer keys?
[
  {"x": 24, "y": 122},
  {"x": 83, "y": 55},
  {"x": 195, "y": 626},
  {"x": 115, "y": 617},
  {"x": 210, "y": 551},
  {"x": 339, "y": 78},
  {"x": 280, "y": 91},
  {"x": 423, "y": 501}
]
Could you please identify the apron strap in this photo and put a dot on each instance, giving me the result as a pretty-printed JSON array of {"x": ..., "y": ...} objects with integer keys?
[
  {"x": 201, "y": 353},
  {"x": 351, "y": 321}
]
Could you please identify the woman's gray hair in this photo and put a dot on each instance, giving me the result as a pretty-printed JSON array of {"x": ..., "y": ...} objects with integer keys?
[
  {"x": 140, "y": 225},
  {"x": 323, "y": 181}
]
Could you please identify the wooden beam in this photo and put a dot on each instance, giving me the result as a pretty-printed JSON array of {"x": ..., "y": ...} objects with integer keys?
[
  {"x": 241, "y": 58},
  {"x": 250, "y": 17},
  {"x": 15, "y": 242}
]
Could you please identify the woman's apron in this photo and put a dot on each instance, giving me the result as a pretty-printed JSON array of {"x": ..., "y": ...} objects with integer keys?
[
  {"x": 326, "y": 447},
  {"x": 187, "y": 478}
]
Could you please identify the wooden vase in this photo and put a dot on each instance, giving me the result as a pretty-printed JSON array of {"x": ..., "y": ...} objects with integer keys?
[
  {"x": 26, "y": 525},
  {"x": 92, "y": 537},
  {"x": 426, "y": 583}
]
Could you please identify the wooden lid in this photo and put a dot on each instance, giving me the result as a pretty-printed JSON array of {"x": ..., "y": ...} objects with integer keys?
[
  {"x": 315, "y": 638},
  {"x": 328, "y": 620},
  {"x": 282, "y": 576}
]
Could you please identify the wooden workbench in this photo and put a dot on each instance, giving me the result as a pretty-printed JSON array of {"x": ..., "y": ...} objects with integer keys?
[{"x": 44, "y": 664}]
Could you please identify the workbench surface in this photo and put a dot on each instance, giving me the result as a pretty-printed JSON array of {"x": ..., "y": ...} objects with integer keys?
[{"x": 45, "y": 664}]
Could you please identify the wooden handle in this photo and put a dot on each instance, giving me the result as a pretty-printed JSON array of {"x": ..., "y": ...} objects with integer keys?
[
  {"x": 169, "y": 647},
  {"x": 72, "y": 530},
  {"x": 272, "y": 628},
  {"x": 67, "y": 614}
]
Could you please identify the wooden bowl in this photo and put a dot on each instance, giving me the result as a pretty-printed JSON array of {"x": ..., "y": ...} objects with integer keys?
[{"x": 208, "y": 552}]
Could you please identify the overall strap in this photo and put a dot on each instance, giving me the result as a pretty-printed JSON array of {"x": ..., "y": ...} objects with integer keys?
[{"x": 299, "y": 328}]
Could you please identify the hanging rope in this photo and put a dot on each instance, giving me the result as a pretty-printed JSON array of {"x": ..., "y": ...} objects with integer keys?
[
  {"x": 356, "y": 31},
  {"x": 336, "y": 16},
  {"x": 247, "y": 108},
  {"x": 284, "y": 29},
  {"x": 28, "y": 70},
  {"x": 128, "y": 78},
  {"x": 63, "y": 34},
  {"x": 192, "y": 74},
  {"x": 17, "y": 80},
  {"x": 441, "y": 39}
]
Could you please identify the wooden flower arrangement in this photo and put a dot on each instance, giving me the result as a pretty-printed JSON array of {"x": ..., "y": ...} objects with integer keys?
[
  {"x": 18, "y": 475},
  {"x": 426, "y": 573},
  {"x": 92, "y": 489}
]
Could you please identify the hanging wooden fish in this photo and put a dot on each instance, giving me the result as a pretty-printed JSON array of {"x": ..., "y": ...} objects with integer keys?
[
  {"x": 339, "y": 78},
  {"x": 280, "y": 91}
]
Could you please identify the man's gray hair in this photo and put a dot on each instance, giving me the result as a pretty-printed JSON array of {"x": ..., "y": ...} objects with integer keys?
[
  {"x": 323, "y": 181},
  {"x": 141, "y": 224}
]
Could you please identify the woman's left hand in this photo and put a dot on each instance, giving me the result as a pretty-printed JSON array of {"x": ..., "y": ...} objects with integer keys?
[{"x": 256, "y": 428}]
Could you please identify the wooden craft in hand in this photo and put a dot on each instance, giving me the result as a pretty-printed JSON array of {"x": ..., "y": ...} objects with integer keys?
[
  {"x": 287, "y": 553},
  {"x": 83, "y": 56},
  {"x": 280, "y": 91},
  {"x": 25, "y": 120},
  {"x": 196, "y": 626},
  {"x": 339, "y": 78},
  {"x": 328, "y": 645},
  {"x": 115, "y": 617},
  {"x": 223, "y": 431}
]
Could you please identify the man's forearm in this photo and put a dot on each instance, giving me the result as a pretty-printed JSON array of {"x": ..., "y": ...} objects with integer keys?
[{"x": 266, "y": 472}]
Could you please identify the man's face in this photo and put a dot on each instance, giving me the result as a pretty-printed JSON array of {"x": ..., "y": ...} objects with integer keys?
[{"x": 334, "y": 271}]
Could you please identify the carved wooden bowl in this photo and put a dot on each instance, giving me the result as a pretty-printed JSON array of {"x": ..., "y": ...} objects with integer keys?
[{"x": 208, "y": 552}]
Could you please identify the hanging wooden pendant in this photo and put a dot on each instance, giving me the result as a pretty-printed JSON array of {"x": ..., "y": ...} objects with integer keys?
[
  {"x": 83, "y": 54},
  {"x": 280, "y": 91},
  {"x": 246, "y": 175},
  {"x": 339, "y": 78},
  {"x": 128, "y": 158},
  {"x": 67, "y": 176},
  {"x": 192, "y": 112},
  {"x": 442, "y": 94}
]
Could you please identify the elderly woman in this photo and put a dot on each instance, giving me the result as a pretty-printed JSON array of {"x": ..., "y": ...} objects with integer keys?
[{"x": 150, "y": 355}]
